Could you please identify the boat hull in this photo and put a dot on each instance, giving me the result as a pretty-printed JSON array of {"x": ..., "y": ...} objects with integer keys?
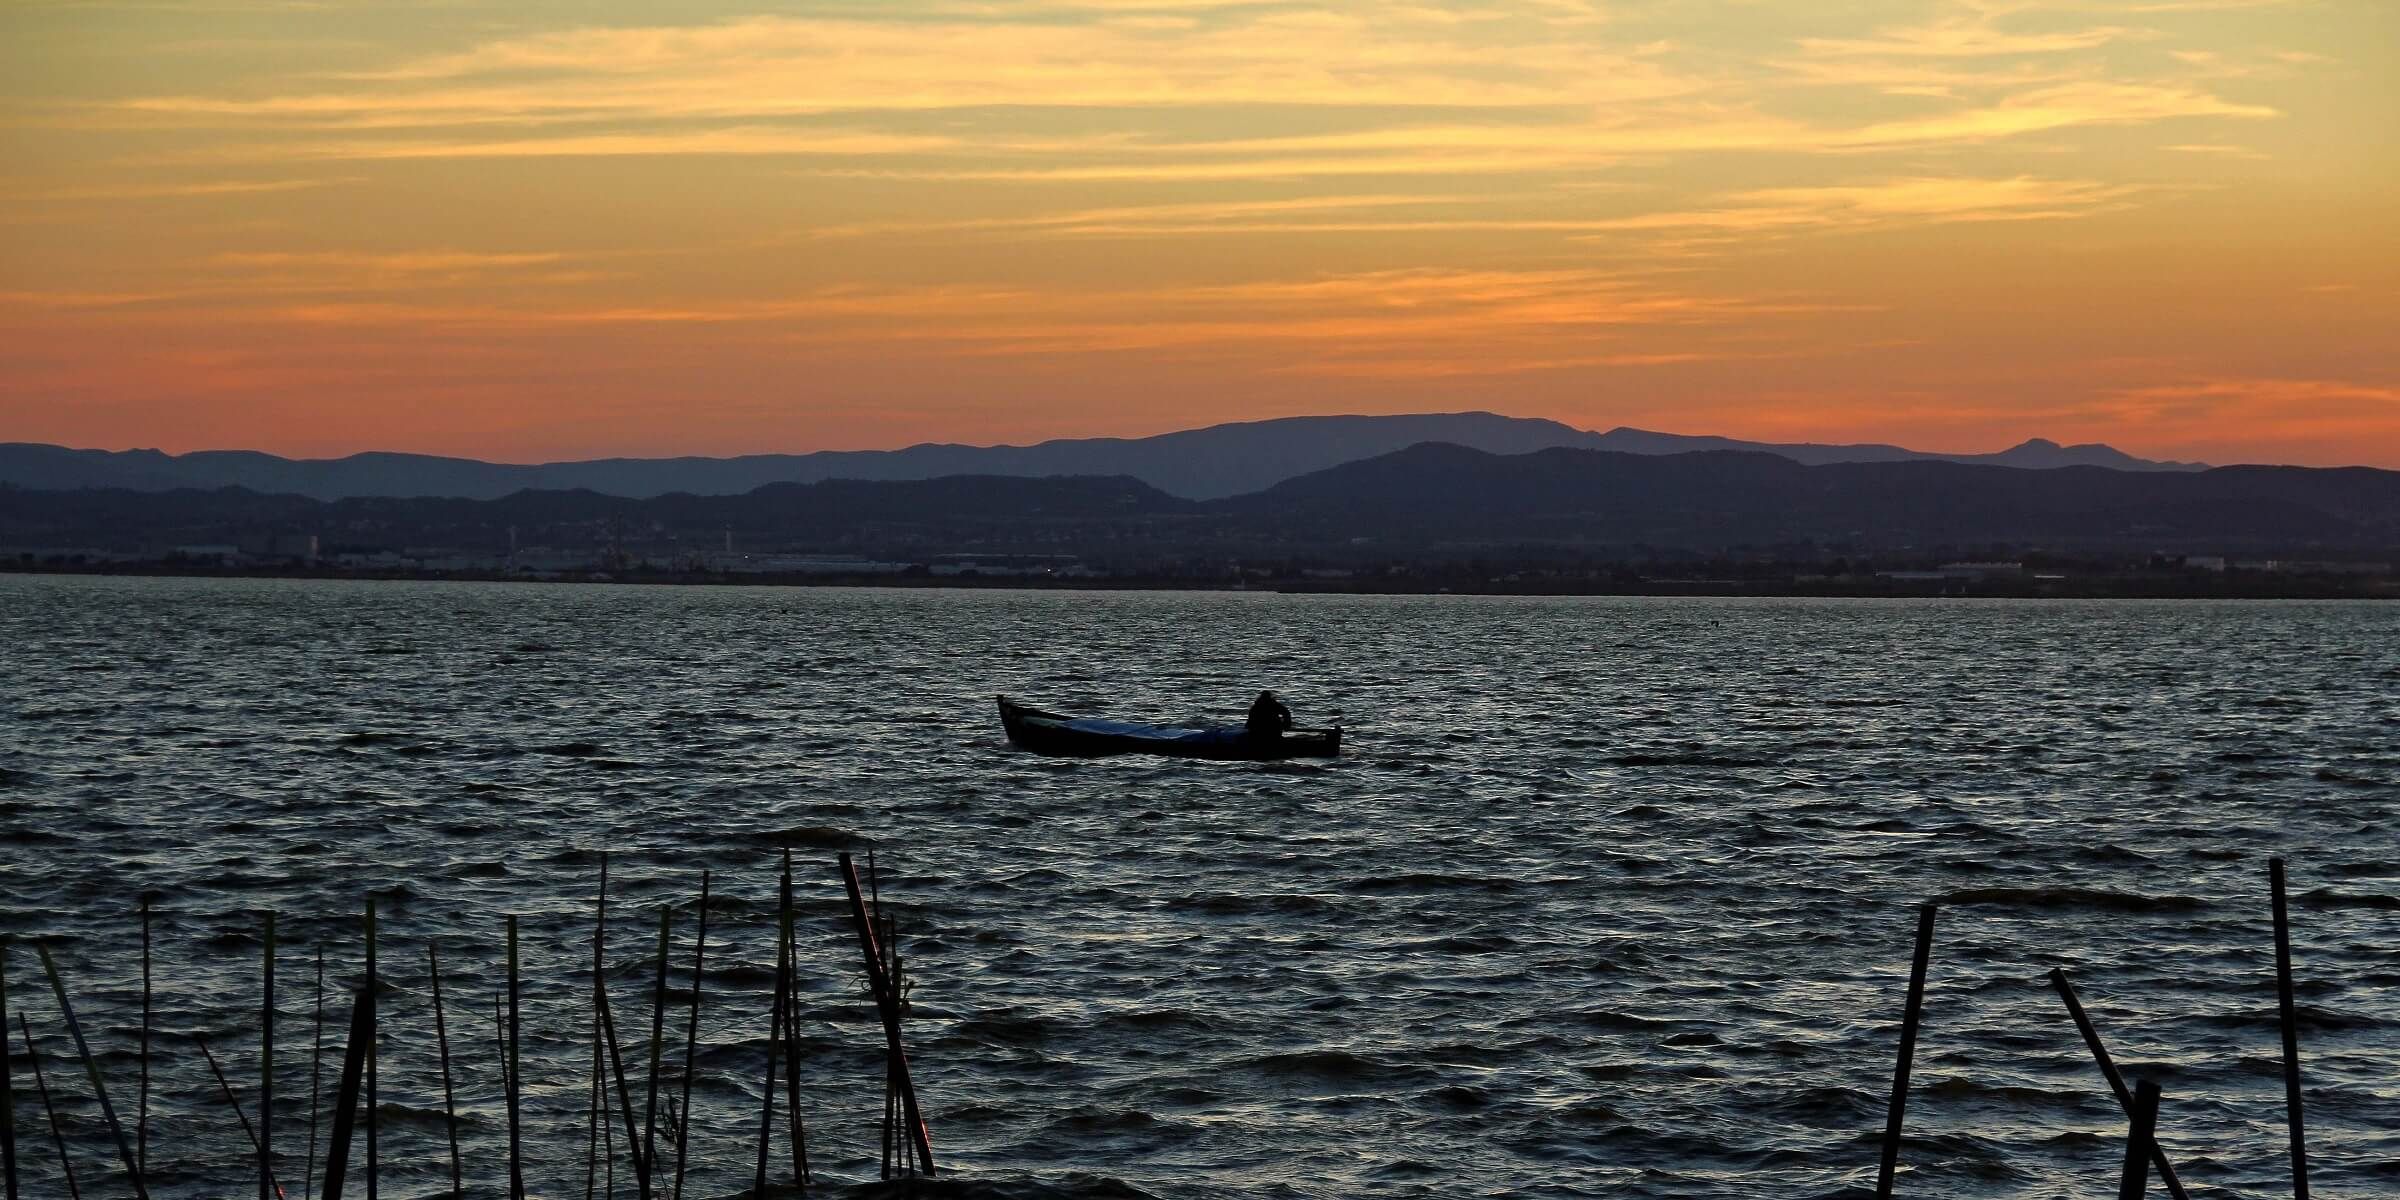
[{"x": 1083, "y": 737}]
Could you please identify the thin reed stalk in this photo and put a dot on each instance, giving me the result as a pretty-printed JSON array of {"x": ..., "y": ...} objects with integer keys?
[
  {"x": 691, "y": 1040},
  {"x": 888, "y": 934},
  {"x": 316, "y": 1073},
  {"x": 266, "y": 1069},
  {"x": 58, "y": 1138},
  {"x": 516, "y": 1159},
  {"x": 374, "y": 994},
  {"x": 91, "y": 1067},
  {"x": 658, "y": 1037},
  {"x": 141, "y": 1116},
  {"x": 594, "y": 1127},
  {"x": 441, "y": 1040},
  {"x": 500, "y": 1040},
  {"x": 891, "y": 1089},
  {"x": 796, "y": 1131},
  {"x": 8, "y": 1087},
  {"x": 225, "y": 1089}
]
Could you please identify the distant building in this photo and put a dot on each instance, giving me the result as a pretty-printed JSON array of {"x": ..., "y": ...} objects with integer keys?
[
  {"x": 1978, "y": 570},
  {"x": 1065, "y": 566},
  {"x": 802, "y": 564}
]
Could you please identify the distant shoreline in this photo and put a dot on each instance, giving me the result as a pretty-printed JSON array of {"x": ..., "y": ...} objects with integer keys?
[{"x": 2131, "y": 586}]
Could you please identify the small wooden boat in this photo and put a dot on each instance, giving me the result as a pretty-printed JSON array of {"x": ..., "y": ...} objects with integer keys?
[{"x": 1091, "y": 737}]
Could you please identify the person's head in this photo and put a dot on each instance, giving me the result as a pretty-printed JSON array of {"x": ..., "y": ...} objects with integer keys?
[{"x": 1265, "y": 698}]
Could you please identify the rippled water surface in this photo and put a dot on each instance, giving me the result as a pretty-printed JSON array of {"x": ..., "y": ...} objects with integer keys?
[{"x": 1610, "y": 897}]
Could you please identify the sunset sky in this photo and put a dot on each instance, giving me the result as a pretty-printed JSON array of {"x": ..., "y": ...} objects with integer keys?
[{"x": 575, "y": 228}]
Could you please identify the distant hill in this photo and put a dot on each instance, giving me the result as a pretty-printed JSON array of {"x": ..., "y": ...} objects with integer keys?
[
  {"x": 1197, "y": 464},
  {"x": 2038, "y": 454},
  {"x": 1723, "y": 498},
  {"x": 1431, "y": 499}
]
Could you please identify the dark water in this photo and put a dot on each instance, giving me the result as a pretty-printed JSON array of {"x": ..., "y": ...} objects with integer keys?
[{"x": 1613, "y": 897}]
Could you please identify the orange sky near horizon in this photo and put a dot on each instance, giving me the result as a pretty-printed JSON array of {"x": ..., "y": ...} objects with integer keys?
[{"x": 558, "y": 229}]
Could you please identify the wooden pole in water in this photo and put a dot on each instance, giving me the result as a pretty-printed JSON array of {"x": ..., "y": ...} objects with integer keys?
[
  {"x": 658, "y": 1037},
  {"x": 898, "y": 1158},
  {"x": 516, "y": 1161},
  {"x": 797, "y": 1130},
  {"x": 602, "y": 1148},
  {"x": 766, "y": 1115},
  {"x": 42, "y": 1084},
  {"x": 894, "y": 970},
  {"x": 141, "y": 1116},
  {"x": 2116, "y": 1081},
  {"x": 891, "y": 1094},
  {"x": 2138, "y": 1142},
  {"x": 887, "y": 1002},
  {"x": 225, "y": 1089},
  {"x": 316, "y": 1073},
  {"x": 2291, "y": 1032},
  {"x": 633, "y": 1129},
  {"x": 591, "y": 1112},
  {"x": 441, "y": 1041},
  {"x": 616, "y": 1061},
  {"x": 1908, "y": 1052},
  {"x": 91, "y": 1067},
  {"x": 691, "y": 1039},
  {"x": 8, "y": 1087},
  {"x": 266, "y": 1070},
  {"x": 345, "y": 1095}
]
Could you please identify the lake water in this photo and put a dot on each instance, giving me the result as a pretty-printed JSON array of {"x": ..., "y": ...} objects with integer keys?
[{"x": 1610, "y": 897}]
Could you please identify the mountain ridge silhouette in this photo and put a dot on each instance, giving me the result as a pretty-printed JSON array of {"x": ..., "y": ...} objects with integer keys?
[{"x": 1206, "y": 463}]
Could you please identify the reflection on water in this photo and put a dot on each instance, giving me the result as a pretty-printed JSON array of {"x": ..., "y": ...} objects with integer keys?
[{"x": 1612, "y": 897}]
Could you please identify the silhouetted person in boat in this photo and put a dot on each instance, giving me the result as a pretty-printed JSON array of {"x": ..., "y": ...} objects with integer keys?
[{"x": 1268, "y": 717}]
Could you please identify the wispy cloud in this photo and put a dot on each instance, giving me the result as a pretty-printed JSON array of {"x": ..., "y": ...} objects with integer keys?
[
  {"x": 1422, "y": 367},
  {"x": 1192, "y": 216},
  {"x": 190, "y": 190},
  {"x": 1962, "y": 39},
  {"x": 792, "y": 66},
  {"x": 410, "y": 261},
  {"x": 1520, "y": 94},
  {"x": 1472, "y": 320},
  {"x": 731, "y": 141}
]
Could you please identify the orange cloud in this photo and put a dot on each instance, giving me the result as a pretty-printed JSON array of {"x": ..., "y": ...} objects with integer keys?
[{"x": 2313, "y": 420}]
